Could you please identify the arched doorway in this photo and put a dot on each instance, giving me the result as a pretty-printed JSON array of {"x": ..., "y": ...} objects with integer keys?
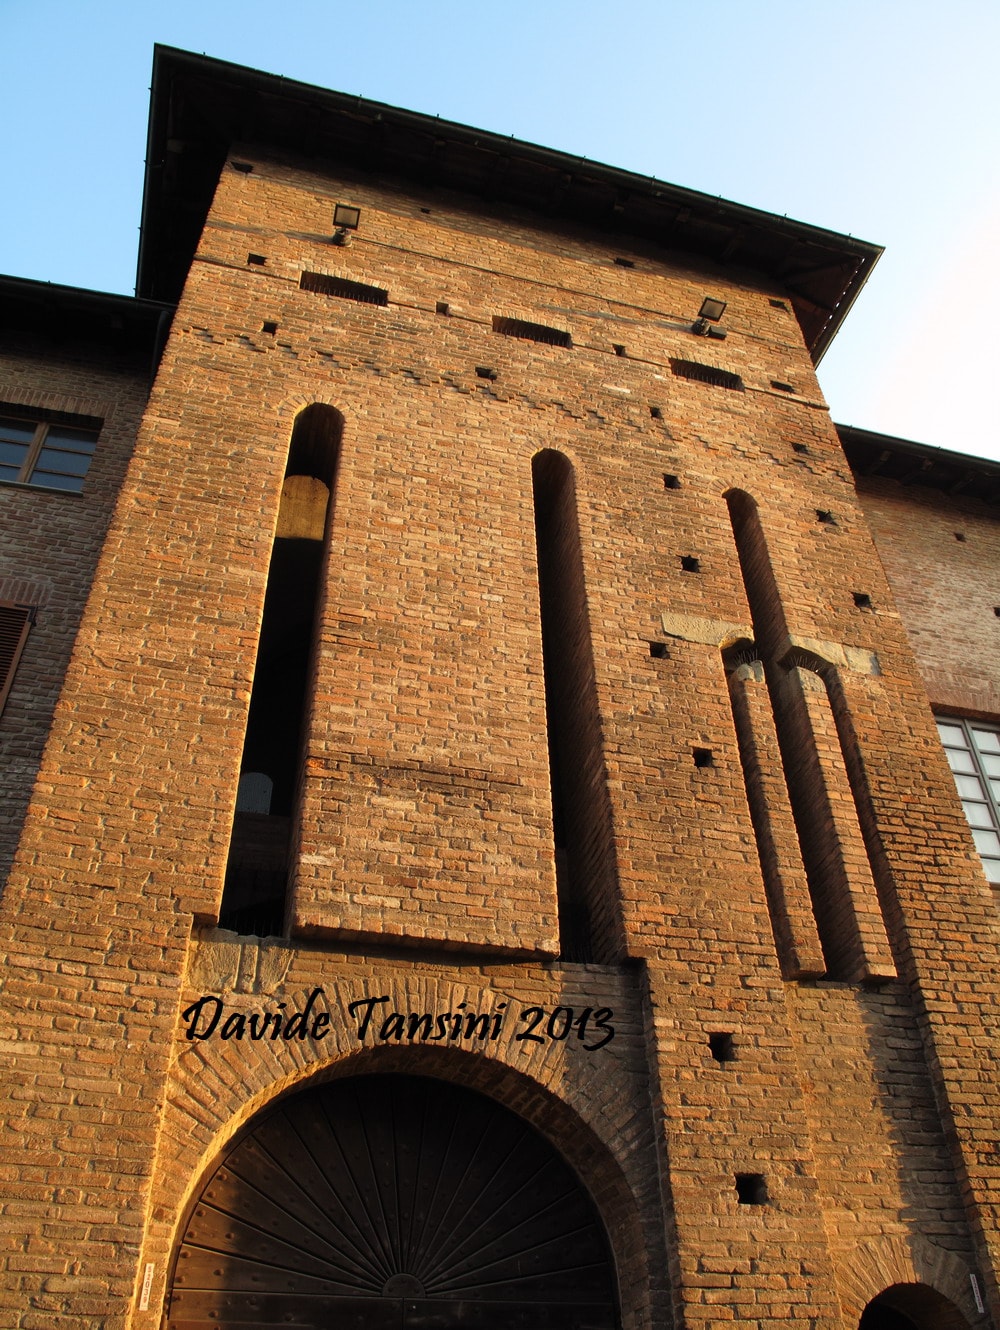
[
  {"x": 912, "y": 1307},
  {"x": 393, "y": 1203}
]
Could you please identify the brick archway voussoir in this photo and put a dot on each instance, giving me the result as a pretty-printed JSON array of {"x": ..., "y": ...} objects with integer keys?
[{"x": 872, "y": 1267}]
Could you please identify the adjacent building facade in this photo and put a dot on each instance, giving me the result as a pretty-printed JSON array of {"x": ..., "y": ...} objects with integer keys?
[{"x": 480, "y": 849}]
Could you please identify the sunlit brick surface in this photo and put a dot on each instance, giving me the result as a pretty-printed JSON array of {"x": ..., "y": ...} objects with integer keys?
[{"x": 423, "y": 867}]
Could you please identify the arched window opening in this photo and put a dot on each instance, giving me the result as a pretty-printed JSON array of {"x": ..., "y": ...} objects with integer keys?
[
  {"x": 586, "y": 873},
  {"x": 254, "y": 897},
  {"x": 398, "y": 1201}
]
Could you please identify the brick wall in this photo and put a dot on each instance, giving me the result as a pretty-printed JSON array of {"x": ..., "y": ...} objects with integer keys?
[
  {"x": 49, "y": 542},
  {"x": 424, "y": 817},
  {"x": 940, "y": 554}
]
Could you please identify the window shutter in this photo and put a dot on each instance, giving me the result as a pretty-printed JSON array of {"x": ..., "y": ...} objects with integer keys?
[{"x": 15, "y": 620}]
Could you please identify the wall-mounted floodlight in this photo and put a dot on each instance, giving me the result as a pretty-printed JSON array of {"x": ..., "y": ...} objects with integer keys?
[
  {"x": 345, "y": 220},
  {"x": 711, "y": 311},
  {"x": 346, "y": 216}
]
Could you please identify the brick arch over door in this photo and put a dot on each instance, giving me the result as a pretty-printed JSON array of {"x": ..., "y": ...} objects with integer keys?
[
  {"x": 384, "y": 1201},
  {"x": 912, "y": 1307},
  {"x": 874, "y": 1272}
]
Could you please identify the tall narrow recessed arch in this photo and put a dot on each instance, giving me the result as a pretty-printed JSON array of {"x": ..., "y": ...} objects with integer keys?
[
  {"x": 257, "y": 871},
  {"x": 824, "y": 801},
  {"x": 586, "y": 871},
  {"x": 796, "y": 939}
]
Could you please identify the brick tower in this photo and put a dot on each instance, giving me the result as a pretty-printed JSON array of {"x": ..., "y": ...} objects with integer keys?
[{"x": 492, "y": 862}]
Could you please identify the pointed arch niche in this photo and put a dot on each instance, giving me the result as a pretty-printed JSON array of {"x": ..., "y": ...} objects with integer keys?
[
  {"x": 820, "y": 784},
  {"x": 253, "y": 900},
  {"x": 393, "y": 1201}
]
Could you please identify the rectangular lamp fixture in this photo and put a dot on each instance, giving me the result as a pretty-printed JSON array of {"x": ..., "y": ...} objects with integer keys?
[{"x": 346, "y": 216}]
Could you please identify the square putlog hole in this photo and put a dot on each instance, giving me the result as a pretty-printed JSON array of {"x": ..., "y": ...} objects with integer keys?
[
  {"x": 721, "y": 1046},
  {"x": 751, "y": 1189}
]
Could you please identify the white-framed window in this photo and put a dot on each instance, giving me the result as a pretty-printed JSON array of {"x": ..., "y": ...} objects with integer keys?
[{"x": 973, "y": 749}]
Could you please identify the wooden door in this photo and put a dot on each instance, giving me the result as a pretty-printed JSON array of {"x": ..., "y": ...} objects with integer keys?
[{"x": 393, "y": 1203}]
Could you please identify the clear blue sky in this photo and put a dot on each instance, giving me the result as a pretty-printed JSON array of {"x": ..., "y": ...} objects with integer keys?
[{"x": 875, "y": 117}]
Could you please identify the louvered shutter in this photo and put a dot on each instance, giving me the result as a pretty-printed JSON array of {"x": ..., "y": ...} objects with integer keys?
[{"x": 15, "y": 620}]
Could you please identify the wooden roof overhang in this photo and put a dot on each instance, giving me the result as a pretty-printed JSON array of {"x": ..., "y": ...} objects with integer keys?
[
  {"x": 200, "y": 107},
  {"x": 71, "y": 314},
  {"x": 909, "y": 463}
]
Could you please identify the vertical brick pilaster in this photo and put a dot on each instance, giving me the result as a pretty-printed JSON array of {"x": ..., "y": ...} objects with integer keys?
[{"x": 765, "y": 1264}]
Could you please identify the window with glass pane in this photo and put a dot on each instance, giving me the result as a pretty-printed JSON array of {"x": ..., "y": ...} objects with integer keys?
[
  {"x": 973, "y": 750},
  {"x": 45, "y": 452}
]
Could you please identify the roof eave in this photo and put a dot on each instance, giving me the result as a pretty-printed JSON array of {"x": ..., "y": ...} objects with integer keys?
[{"x": 821, "y": 271}]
